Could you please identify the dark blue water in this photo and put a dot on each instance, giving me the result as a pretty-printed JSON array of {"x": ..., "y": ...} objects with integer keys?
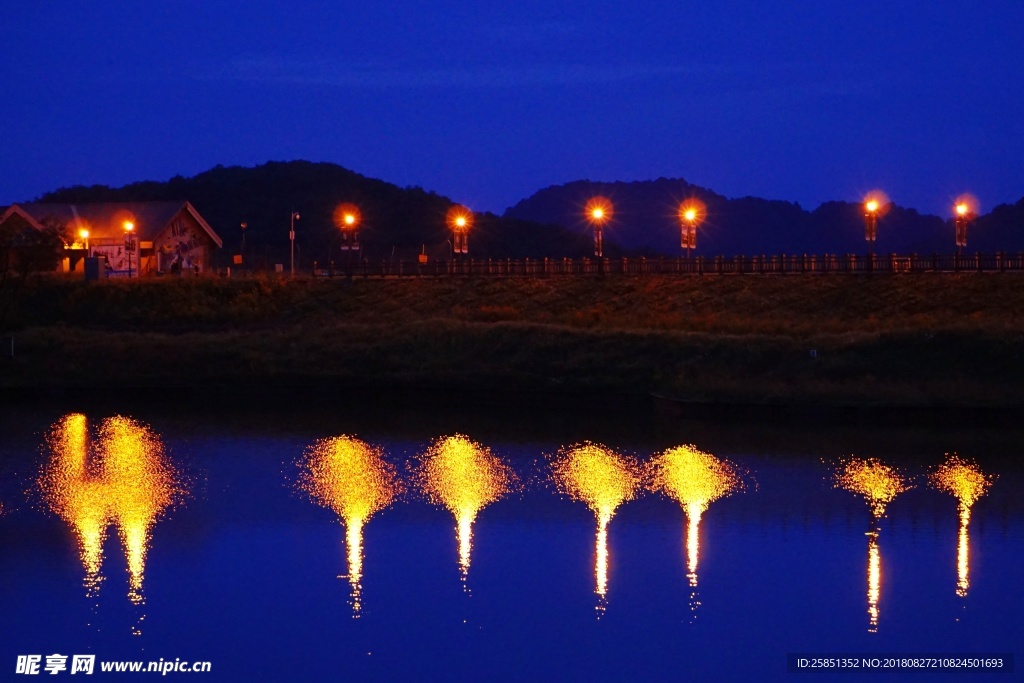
[{"x": 248, "y": 574}]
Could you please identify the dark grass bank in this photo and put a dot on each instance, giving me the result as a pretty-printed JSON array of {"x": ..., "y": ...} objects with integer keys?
[{"x": 917, "y": 340}]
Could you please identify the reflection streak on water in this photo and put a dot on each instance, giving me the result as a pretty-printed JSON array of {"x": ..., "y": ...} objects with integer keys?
[
  {"x": 879, "y": 484},
  {"x": 122, "y": 478},
  {"x": 695, "y": 479},
  {"x": 963, "y": 555},
  {"x": 354, "y": 542},
  {"x": 351, "y": 478},
  {"x": 603, "y": 480},
  {"x": 874, "y": 580},
  {"x": 962, "y": 479},
  {"x": 464, "y": 477},
  {"x": 693, "y": 513},
  {"x": 601, "y": 559}
]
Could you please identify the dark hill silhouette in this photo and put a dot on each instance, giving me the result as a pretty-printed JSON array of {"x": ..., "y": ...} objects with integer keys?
[
  {"x": 645, "y": 220},
  {"x": 396, "y": 220}
]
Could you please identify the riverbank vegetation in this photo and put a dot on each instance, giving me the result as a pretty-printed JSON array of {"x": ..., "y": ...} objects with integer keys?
[{"x": 922, "y": 340}]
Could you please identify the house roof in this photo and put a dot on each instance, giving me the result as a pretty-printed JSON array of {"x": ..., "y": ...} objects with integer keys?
[{"x": 107, "y": 219}]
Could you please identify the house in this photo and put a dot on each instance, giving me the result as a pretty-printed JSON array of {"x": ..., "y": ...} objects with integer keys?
[{"x": 133, "y": 238}]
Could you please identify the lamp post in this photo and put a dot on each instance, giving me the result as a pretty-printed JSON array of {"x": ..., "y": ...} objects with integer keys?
[
  {"x": 129, "y": 243},
  {"x": 871, "y": 207},
  {"x": 691, "y": 214},
  {"x": 347, "y": 218},
  {"x": 459, "y": 220},
  {"x": 241, "y": 251},
  {"x": 291, "y": 238},
  {"x": 599, "y": 211},
  {"x": 84, "y": 235},
  {"x": 962, "y": 218}
]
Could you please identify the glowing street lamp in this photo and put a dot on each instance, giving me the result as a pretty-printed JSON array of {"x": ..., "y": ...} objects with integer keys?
[
  {"x": 691, "y": 213},
  {"x": 873, "y": 206},
  {"x": 599, "y": 211},
  {"x": 291, "y": 238},
  {"x": 459, "y": 220},
  {"x": 129, "y": 242},
  {"x": 963, "y": 212},
  {"x": 347, "y": 219},
  {"x": 871, "y": 222},
  {"x": 83, "y": 234}
]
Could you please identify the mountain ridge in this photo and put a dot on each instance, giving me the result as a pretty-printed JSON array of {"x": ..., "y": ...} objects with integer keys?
[
  {"x": 399, "y": 223},
  {"x": 646, "y": 219},
  {"x": 396, "y": 222}
]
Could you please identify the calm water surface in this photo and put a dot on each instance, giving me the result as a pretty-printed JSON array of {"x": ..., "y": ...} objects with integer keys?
[{"x": 173, "y": 532}]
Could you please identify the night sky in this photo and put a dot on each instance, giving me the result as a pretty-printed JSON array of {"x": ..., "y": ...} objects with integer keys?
[{"x": 489, "y": 102}]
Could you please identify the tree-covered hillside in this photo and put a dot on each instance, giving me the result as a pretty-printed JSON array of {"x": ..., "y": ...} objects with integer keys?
[
  {"x": 396, "y": 222},
  {"x": 646, "y": 220}
]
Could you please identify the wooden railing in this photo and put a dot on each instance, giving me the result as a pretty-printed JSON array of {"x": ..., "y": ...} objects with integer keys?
[{"x": 783, "y": 264}]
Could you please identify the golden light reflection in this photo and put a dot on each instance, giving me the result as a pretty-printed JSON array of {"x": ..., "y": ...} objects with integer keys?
[
  {"x": 965, "y": 481},
  {"x": 602, "y": 479},
  {"x": 463, "y": 476},
  {"x": 879, "y": 484},
  {"x": 874, "y": 580},
  {"x": 351, "y": 478},
  {"x": 695, "y": 479},
  {"x": 123, "y": 477},
  {"x": 963, "y": 560}
]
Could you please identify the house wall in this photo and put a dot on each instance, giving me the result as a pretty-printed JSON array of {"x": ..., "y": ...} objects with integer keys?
[
  {"x": 117, "y": 255},
  {"x": 184, "y": 241}
]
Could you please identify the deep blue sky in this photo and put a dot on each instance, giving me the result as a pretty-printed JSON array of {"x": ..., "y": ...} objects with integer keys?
[{"x": 488, "y": 102}]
